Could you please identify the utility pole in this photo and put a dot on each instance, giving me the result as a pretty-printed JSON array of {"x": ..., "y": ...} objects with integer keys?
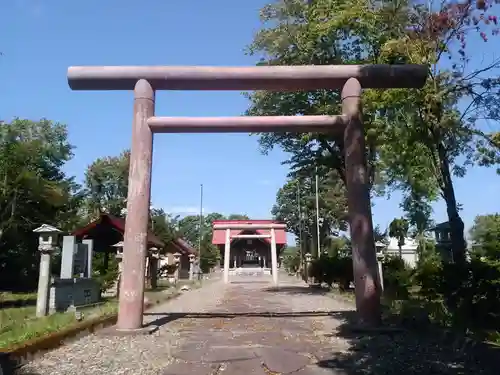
[
  {"x": 317, "y": 215},
  {"x": 300, "y": 222},
  {"x": 200, "y": 234}
]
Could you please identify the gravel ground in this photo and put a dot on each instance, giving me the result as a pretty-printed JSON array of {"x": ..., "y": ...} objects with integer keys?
[
  {"x": 248, "y": 327},
  {"x": 149, "y": 354}
]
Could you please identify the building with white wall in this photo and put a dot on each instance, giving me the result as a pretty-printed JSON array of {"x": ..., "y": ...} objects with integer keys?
[{"x": 409, "y": 251}]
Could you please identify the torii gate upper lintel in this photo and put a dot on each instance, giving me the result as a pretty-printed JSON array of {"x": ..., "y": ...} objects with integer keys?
[{"x": 145, "y": 80}]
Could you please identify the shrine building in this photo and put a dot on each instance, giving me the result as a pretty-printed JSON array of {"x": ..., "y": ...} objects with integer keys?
[{"x": 247, "y": 245}]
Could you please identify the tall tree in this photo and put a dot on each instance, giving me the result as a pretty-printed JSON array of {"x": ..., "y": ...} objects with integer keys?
[
  {"x": 163, "y": 225},
  {"x": 485, "y": 236},
  {"x": 418, "y": 214},
  {"x": 33, "y": 190},
  {"x": 398, "y": 228},
  {"x": 300, "y": 191},
  {"x": 189, "y": 228},
  {"x": 412, "y": 135},
  {"x": 106, "y": 183}
]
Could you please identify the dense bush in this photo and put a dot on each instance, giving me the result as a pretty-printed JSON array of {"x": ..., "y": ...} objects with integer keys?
[
  {"x": 461, "y": 295},
  {"x": 470, "y": 292},
  {"x": 291, "y": 262},
  {"x": 333, "y": 269},
  {"x": 105, "y": 270},
  {"x": 397, "y": 277}
]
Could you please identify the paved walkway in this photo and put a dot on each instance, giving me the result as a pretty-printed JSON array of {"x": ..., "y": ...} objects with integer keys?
[{"x": 248, "y": 327}]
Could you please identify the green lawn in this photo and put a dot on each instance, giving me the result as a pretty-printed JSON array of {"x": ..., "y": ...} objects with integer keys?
[{"x": 18, "y": 322}]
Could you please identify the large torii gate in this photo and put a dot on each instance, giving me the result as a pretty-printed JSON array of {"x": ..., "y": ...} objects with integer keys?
[{"x": 145, "y": 80}]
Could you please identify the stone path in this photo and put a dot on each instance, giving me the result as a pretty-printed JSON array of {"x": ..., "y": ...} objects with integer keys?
[{"x": 248, "y": 327}]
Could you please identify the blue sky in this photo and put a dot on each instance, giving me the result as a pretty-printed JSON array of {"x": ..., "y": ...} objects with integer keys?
[{"x": 41, "y": 38}]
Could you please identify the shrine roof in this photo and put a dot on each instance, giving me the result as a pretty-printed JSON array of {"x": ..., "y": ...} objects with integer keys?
[
  {"x": 116, "y": 223},
  {"x": 183, "y": 246},
  {"x": 246, "y": 222},
  {"x": 219, "y": 236}
]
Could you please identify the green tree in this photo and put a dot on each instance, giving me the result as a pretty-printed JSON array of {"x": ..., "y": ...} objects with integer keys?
[
  {"x": 291, "y": 259},
  {"x": 299, "y": 191},
  {"x": 485, "y": 236},
  {"x": 238, "y": 217},
  {"x": 413, "y": 136},
  {"x": 418, "y": 214},
  {"x": 163, "y": 225},
  {"x": 33, "y": 190},
  {"x": 379, "y": 234},
  {"x": 398, "y": 228},
  {"x": 106, "y": 185},
  {"x": 189, "y": 229}
]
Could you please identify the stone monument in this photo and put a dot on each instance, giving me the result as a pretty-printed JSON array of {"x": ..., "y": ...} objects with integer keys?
[{"x": 75, "y": 286}]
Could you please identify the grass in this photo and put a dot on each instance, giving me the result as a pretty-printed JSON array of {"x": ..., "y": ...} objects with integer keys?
[
  {"x": 415, "y": 306},
  {"x": 19, "y": 323}
]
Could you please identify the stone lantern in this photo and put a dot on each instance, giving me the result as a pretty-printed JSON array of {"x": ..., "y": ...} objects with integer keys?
[
  {"x": 308, "y": 265},
  {"x": 119, "y": 259},
  {"x": 47, "y": 243},
  {"x": 177, "y": 261},
  {"x": 192, "y": 257},
  {"x": 380, "y": 246},
  {"x": 154, "y": 256}
]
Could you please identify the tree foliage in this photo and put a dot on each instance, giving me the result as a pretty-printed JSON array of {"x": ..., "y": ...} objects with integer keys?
[
  {"x": 34, "y": 190},
  {"x": 189, "y": 229},
  {"x": 417, "y": 140},
  {"x": 106, "y": 184},
  {"x": 485, "y": 236},
  {"x": 398, "y": 228},
  {"x": 298, "y": 194}
]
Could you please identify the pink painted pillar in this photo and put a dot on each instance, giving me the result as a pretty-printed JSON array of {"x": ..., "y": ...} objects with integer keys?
[
  {"x": 131, "y": 303},
  {"x": 360, "y": 217}
]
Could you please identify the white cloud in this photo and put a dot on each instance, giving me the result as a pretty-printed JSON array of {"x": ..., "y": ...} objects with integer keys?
[{"x": 186, "y": 210}]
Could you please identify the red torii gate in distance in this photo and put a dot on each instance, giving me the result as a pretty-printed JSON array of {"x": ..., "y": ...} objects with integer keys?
[{"x": 145, "y": 80}]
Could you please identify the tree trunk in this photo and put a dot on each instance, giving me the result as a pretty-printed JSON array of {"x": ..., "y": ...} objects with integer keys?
[
  {"x": 400, "y": 251},
  {"x": 458, "y": 245}
]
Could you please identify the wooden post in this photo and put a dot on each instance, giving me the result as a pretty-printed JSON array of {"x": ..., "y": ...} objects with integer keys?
[
  {"x": 227, "y": 254},
  {"x": 131, "y": 303},
  {"x": 364, "y": 259},
  {"x": 274, "y": 258}
]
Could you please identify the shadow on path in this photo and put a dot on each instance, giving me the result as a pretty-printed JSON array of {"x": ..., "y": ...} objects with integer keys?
[
  {"x": 299, "y": 289},
  {"x": 10, "y": 367},
  {"x": 169, "y": 317},
  {"x": 405, "y": 352}
]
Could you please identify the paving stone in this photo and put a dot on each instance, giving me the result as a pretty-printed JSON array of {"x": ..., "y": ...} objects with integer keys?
[
  {"x": 250, "y": 366},
  {"x": 282, "y": 361},
  {"x": 226, "y": 354},
  {"x": 181, "y": 368},
  {"x": 189, "y": 353},
  {"x": 263, "y": 338}
]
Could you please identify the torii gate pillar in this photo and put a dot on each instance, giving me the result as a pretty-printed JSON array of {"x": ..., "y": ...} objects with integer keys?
[{"x": 131, "y": 303}]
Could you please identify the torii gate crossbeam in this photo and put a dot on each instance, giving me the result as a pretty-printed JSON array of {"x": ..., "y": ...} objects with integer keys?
[{"x": 145, "y": 80}]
